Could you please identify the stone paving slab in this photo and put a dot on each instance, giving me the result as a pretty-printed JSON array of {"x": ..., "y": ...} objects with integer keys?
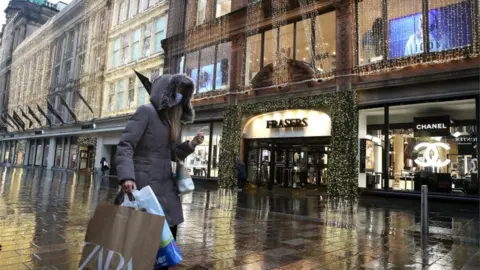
[{"x": 44, "y": 215}]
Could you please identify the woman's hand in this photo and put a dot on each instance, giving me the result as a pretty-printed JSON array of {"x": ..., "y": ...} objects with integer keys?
[
  {"x": 197, "y": 140},
  {"x": 128, "y": 186}
]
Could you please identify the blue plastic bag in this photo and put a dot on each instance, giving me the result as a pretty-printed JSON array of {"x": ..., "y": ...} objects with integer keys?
[{"x": 168, "y": 254}]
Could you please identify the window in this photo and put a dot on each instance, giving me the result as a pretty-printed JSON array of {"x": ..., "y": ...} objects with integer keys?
[
  {"x": 116, "y": 50},
  {"x": 146, "y": 40},
  {"x": 151, "y": 3},
  {"x": 133, "y": 10},
  {"x": 111, "y": 96},
  {"x": 401, "y": 34},
  {"x": 198, "y": 161},
  {"x": 295, "y": 42},
  {"x": 303, "y": 39},
  {"x": 121, "y": 12},
  {"x": 222, "y": 74},
  {"x": 269, "y": 48},
  {"x": 142, "y": 94},
  {"x": 143, "y": 5},
  {"x": 253, "y": 56},
  {"x": 58, "y": 50},
  {"x": 450, "y": 24},
  {"x": 102, "y": 22},
  {"x": 70, "y": 42},
  {"x": 135, "y": 45},
  {"x": 131, "y": 92},
  {"x": 214, "y": 63},
  {"x": 325, "y": 42},
  {"x": 125, "y": 43},
  {"x": 66, "y": 154},
  {"x": 410, "y": 150},
  {"x": 81, "y": 64},
  {"x": 56, "y": 76},
  {"x": 120, "y": 93},
  {"x": 201, "y": 11},
  {"x": 216, "y": 146},
  {"x": 159, "y": 34},
  {"x": 205, "y": 78},
  {"x": 191, "y": 66},
  {"x": 73, "y": 162},
  {"x": 58, "y": 152},
  {"x": 68, "y": 70},
  {"x": 223, "y": 7},
  {"x": 155, "y": 73}
]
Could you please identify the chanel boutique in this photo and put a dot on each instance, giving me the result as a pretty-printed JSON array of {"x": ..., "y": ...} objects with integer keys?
[
  {"x": 288, "y": 148},
  {"x": 405, "y": 146}
]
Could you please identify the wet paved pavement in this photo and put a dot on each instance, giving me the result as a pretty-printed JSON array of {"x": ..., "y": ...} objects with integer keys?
[{"x": 43, "y": 218}]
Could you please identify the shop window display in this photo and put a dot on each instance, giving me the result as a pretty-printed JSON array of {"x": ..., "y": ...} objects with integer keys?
[
  {"x": 216, "y": 146},
  {"x": 58, "y": 152},
  {"x": 197, "y": 162},
  {"x": 449, "y": 26},
  {"x": 253, "y": 56},
  {"x": 430, "y": 144},
  {"x": 73, "y": 153},
  {"x": 38, "y": 154}
]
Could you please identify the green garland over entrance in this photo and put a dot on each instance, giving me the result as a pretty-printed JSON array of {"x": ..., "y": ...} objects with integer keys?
[{"x": 343, "y": 162}]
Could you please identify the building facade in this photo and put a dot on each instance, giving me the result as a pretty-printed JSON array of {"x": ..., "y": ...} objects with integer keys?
[
  {"x": 22, "y": 19},
  {"x": 134, "y": 44},
  {"x": 344, "y": 94},
  {"x": 55, "y": 92}
]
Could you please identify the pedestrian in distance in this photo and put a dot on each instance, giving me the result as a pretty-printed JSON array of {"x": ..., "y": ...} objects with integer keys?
[
  {"x": 241, "y": 174},
  {"x": 104, "y": 165},
  {"x": 151, "y": 141}
]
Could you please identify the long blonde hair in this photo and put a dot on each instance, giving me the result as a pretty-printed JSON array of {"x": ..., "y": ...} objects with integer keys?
[{"x": 173, "y": 117}]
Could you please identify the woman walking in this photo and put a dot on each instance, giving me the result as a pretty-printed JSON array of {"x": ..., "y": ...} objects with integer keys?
[{"x": 151, "y": 140}]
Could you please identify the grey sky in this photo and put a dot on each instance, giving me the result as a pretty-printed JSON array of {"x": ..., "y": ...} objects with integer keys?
[{"x": 4, "y": 4}]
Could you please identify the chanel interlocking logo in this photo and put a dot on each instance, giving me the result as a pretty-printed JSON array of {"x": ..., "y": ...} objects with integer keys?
[{"x": 431, "y": 157}]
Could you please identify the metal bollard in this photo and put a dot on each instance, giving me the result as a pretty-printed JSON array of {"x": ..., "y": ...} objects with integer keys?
[{"x": 424, "y": 216}]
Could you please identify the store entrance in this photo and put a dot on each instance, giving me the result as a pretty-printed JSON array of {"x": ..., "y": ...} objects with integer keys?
[{"x": 288, "y": 162}]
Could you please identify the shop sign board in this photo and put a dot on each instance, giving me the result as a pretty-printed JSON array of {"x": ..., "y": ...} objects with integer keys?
[
  {"x": 288, "y": 124},
  {"x": 437, "y": 126}
]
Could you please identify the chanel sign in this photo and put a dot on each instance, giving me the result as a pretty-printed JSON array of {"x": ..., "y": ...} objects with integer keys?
[{"x": 432, "y": 126}]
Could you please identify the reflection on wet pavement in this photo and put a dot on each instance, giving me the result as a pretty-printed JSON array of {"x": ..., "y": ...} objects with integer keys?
[{"x": 44, "y": 214}]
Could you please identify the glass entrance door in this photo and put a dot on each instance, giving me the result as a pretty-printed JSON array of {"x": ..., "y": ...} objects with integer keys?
[{"x": 291, "y": 163}]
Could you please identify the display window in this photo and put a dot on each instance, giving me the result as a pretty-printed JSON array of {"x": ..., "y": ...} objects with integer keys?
[
  {"x": 400, "y": 32},
  {"x": 432, "y": 144}
]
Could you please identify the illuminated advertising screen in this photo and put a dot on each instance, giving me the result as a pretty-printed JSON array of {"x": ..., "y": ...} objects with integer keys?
[{"x": 449, "y": 26}]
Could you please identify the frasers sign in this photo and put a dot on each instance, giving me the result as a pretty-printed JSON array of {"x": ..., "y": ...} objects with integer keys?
[
  {"x": 432, "y": 126},
  {"x": 288, "y": 124}
]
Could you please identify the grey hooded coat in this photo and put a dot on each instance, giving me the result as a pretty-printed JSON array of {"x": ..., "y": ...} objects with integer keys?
[{"x": 144, "y": 153}]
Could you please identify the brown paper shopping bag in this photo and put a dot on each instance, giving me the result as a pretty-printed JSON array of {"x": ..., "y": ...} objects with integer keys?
[{"x": 121, "y": 238}]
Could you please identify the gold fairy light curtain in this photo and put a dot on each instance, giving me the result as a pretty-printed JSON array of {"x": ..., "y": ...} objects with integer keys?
[{"x": 393, "y": 36}]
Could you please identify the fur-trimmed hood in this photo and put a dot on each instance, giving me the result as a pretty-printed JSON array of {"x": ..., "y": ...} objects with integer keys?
[{"x": 164, "y": 93}]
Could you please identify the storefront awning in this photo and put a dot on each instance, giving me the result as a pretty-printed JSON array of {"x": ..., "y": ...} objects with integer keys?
[
  {"x": 145, "y": 81},
  {"x": 30, "y": 111},
  {"x": 18, "y": 120},
  {"x": 84, "y": 100},
  {"x": 54, "y": 112},
  {"x": 44, "y": 115},
  {"x": 26, "y": 117},
  {"x": 70, "y": 111}
]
